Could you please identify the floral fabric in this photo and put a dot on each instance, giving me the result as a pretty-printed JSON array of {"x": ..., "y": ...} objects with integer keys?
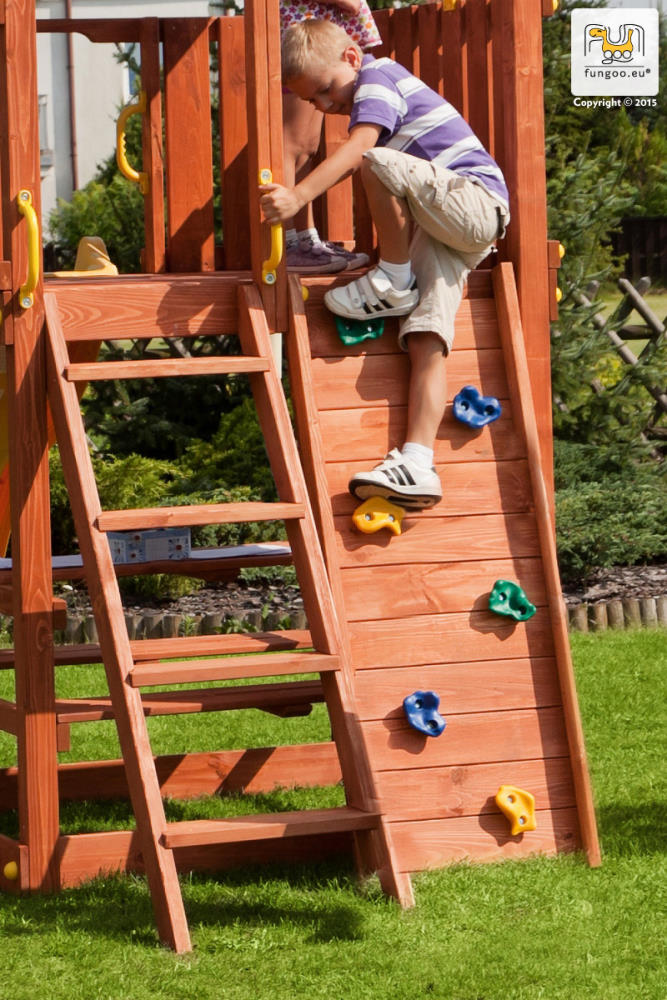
[{"x": 360, "y": 27}]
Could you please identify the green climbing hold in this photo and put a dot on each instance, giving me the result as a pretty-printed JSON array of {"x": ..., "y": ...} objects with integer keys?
[
  {"x": 353, "y": 331},
  {"x": 509, "y": 599}
]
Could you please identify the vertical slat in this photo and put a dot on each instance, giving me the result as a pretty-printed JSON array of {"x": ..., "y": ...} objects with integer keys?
[
  {"x": 405, "y": 38},
  {"x": 336, "y": 204},
  {"x": 105, "y": 596},
  {"x": 154, "y": 251},
  {"x": 384, "y": 20},
  {"x": 429, "y": 35},
  {"x": 517, "y": 43},
  {"x": 28, "y": 456},
  {"x": 189, "y": 149},
  {"x": 454, "y": 59},
  {"x": 478, "y": 54},
  {"x": 264, "y": 110},
  {"x": 509, "y": 322},
  {"x": 233, "y": 142}
]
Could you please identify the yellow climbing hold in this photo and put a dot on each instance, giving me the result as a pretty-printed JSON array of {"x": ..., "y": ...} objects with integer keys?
[
  {"x": 519, "y": 807},
  {"x": 11, "y": 871},
  {"x": 377, "y": 513}
]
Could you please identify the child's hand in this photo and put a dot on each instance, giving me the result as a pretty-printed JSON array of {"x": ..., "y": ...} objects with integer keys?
[
  {"x": 347, "y": 6},
  {"x": 279, "y": 203}
]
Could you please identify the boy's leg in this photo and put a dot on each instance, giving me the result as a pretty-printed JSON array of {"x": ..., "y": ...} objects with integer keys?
[{"x": 427, "y": 393}]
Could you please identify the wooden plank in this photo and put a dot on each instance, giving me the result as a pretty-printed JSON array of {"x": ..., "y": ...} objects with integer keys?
[
  {"x": 429, "y": 34},
  {"x": 291, "y": 697},
  {"x": 143, "y": 307},
  {"x": 468, "y": 739},
  {"x": 476, "y": 328},
  {"x": 154, "y": 255},
  {"x": 448, "y": 638},
  {"x": 520, "y": 385},
  {"x": 478, "y": 50},
  {"x": 450, "y": 539},
  {"x": 371, "y": 592},
  {"x": 336, "y": 204},
  {"x": 96, "y": 29},
  {"x": 213, "y": 513},
  {"x": 443, "y": 792},
  {"x": 163, "y": 368},
  {"x": 517, "y": 48},
  {"x": 367, "y": 434},
  {"x": 230, "y": 668},
  {"x": 405, "y": 39},
  {"x": 188, "y": 145},
  {"x": 84, "y": 856},
  {"x": 435, "y": 843},
  {"x": 28, "y": 460},
  {"x": 470, "y": 487},
  {"x": 484, "y": 686},
  {"x": 269, "y": 826},
  {"x": 455, "y": 84},
  {"x": 233, "y": 142},
  {"x": 382, "y": 379}
]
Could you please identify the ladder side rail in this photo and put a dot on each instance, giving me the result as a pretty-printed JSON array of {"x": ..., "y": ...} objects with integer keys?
[
  {"x": 114, "y": 642},
  {"x": 22, "y": 331}
]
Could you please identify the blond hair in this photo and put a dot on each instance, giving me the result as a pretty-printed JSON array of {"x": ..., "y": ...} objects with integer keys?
[{"x": 313, "y": 44}]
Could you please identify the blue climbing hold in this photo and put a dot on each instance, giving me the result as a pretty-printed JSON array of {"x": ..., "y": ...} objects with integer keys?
[
  {"x": 421, "y": 710},
  {"x": 471, "y": 408}
]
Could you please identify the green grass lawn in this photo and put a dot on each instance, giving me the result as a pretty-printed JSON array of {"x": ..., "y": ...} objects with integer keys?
[{"x": 543, "y": 928}]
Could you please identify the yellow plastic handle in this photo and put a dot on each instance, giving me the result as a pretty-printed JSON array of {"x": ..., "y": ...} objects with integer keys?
[
  {"x": 26, "y": 208},
  {"x": 128, "y": 171},
  {"x": 269, "y": 266}
]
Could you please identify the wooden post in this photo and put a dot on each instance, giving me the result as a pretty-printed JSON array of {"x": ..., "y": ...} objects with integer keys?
[
  {"x": 26, "y": 386},
  {"x": 154, "y": 251},
  {"x": 519, "y": 125},
  {"x": 265, "y": 142}
]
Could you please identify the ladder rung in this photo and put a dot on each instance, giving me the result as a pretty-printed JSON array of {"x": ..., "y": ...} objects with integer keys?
[
  {"x": 163, "y": 368},
  {"x": 241, "y": 829},
  {"x": 286, "y": 697},
  {"x": 230, "y": 668},
  {"x": 213, "y": 513}
]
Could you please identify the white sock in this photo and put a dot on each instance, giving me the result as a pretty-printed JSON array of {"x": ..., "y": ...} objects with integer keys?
[
  {"x": 310, "y": 236},
  {"x": 419, "y": 454},
  {"x": 400, "y": 275},
  {"x": 291, "y": 237}
]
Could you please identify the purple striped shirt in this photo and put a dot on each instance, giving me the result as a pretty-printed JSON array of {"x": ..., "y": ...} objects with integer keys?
[{"x": 418, "y": 121}]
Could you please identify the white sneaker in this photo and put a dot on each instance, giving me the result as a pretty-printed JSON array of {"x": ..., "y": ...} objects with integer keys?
[
  {"x": 399, "y": 479},
  {"x": 371, "y": 296}
]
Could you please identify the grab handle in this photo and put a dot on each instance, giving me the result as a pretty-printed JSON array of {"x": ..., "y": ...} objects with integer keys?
[
  {"x": 128, "y": 171},
  {"x": 26, "y": 208},
  {"x": 269, "y": 266}
]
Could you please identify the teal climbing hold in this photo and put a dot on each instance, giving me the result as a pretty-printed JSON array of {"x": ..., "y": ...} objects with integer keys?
[
  {"x": 509, "y": 599},
  {"x": 353, "y": 331}
]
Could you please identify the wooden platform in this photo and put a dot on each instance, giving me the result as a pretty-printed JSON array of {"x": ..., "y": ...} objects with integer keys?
[{"x": 416, "y": 605}]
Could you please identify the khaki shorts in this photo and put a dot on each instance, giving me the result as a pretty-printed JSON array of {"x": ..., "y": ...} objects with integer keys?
[{"x": 458, "y": 221}]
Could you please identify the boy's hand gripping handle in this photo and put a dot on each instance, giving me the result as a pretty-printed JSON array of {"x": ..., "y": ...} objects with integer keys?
[{"x": 269, "y": 266}]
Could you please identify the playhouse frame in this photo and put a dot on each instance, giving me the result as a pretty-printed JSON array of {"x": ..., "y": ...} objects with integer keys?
[{"x": 485, "y": 56}]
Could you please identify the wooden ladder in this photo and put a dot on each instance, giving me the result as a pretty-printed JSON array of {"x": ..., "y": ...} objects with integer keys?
[{"x": 126, "y": 674}]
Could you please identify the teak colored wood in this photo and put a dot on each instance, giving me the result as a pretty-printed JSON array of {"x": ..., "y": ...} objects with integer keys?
[{"x": 386, "y": 616}]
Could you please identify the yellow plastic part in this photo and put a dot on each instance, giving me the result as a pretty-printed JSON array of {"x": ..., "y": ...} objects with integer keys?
[
  {"x": 92, "y": 261},
  {"x": 377, "y": 513},
  {"x": 559, "y": 294},
  {"x": 561, "y": 250},
  {"x": 519, "y": 807},
  {"x": 26, "y": 208},
  {"x": 11, "y": 871},
  {"x": 269, "y": 266},
  {"x": 128, "y": 171},
  {"x": 304, "y": 293}
]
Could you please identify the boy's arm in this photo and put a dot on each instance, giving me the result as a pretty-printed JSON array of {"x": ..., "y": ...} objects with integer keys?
[{"x": 279, "y": 203}]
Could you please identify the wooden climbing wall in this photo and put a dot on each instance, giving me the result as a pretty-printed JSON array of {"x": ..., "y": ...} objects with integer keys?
[{"x": 416, "y": 605}]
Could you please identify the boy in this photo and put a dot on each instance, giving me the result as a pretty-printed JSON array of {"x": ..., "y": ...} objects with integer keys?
[{"x": 438, "y": 201}]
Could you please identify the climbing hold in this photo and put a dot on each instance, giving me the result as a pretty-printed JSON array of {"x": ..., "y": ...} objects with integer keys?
[
  {"x": 508, "y": 598},
  {"x": 421, "y": 711},
  {"x": 304, "y": 293},
  {"x": 519, "y": 807},
  {"x": 471, "y": 408},
  {"x": 353, "y": 331},
  {"x": 11, "y": 871},
  {"x": 376, "y": 513}
]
